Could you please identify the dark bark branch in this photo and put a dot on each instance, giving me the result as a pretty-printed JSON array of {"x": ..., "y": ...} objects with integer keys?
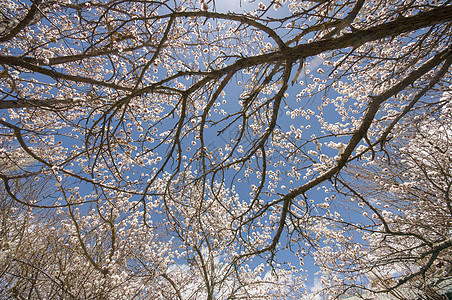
[
  {"x": 18, "y": 62},
  {"x": 34, "y": 9},
  {"x": 51, "y": 103},
  {"x": 173, "y": 284}
]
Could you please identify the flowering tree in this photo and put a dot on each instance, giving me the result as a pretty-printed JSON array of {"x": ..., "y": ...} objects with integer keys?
[
  {"x": 180, "y": 147},
  {"x": 405, "y": 194}
]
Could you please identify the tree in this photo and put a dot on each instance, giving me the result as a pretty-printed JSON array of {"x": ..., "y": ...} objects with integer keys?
[
  {"x": 182, "y": 146},
  {"x": 406, "y": 196}
]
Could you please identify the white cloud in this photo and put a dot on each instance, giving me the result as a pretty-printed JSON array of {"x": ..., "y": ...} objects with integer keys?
[{"x": 314, "y": 290}]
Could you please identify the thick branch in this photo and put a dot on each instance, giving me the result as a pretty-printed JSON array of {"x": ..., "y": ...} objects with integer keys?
[
  {"x": 34, "y": 9},
  {"x": 35, "y": 103},
  {"x": 18, "y": 62}
]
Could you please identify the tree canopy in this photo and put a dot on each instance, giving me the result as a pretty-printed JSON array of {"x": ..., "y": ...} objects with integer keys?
[{"x": 173, "y": 150}]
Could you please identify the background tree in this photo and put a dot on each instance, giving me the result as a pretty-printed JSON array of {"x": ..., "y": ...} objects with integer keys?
[
  {"x": 179, "y": 140},
  {"x": 405, "y": 195}
]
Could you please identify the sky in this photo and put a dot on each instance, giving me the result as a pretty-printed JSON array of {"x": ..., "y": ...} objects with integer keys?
[{"x": 232, "y": 5}]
